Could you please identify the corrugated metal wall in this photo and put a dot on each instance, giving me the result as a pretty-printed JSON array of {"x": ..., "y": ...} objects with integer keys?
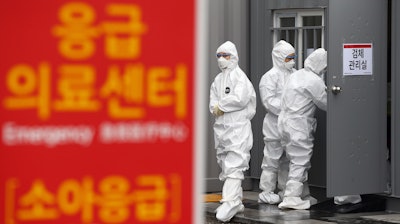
[
  {"x": 228, "y": 20},
  {"x": 395, "y": 98}
]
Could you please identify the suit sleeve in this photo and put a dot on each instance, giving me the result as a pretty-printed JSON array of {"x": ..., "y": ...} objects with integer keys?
[
  {"x": 213, "y": 97},
  {"x": 318, "y": 94},
  {"x": 268, "y": 94}
]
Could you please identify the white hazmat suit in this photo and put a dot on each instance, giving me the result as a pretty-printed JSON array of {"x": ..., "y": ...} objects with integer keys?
[
  {"x": 275, "y": 164},
  {"x": 233, "y": 103},
  {"x": 304, "y": 91}
]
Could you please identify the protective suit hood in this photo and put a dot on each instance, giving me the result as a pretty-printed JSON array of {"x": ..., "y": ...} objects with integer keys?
[
  {"x": 229, "y": 47},
  {"x": 281, "y": 50},
  {"x": 317, "y": 61}
]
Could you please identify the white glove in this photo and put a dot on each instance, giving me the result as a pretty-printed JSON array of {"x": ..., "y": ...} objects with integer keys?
[{"x": 217, "y": 112}]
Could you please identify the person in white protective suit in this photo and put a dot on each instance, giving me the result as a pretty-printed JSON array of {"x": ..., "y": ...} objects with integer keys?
[
  {"x": 303, "y": 92},
  {"x": 275, "y": 165},
  {"x": 233, "y": 104}
]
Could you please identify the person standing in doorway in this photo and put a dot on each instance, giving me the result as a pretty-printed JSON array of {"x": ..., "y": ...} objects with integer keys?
[
  {"x": 274, "y": 165},
  {"x": 233, "y": 104},
  {"x": 302, "y": 94}
]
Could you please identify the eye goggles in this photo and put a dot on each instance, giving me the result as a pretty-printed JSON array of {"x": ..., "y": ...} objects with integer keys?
[
  {"x": 291, "y": 56},
  {"x": 223, "y": 55}
]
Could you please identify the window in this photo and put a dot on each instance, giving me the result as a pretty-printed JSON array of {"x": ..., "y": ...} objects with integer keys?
[{"x": 304, "y": 29}]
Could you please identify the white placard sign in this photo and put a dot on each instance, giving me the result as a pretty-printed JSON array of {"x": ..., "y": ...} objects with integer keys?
[{"x": 357, "y": 59}]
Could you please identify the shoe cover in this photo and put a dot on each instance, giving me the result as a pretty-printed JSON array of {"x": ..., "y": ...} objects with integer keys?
[
  {"x": 294, "y": 203},
  {"x": 347, "y": 199},
  {"x": 228, "y": 209},
  {"x": 293, "y": 189},
  {"x": 232, "y": 190},
  {"x": 269, "y": 198}
]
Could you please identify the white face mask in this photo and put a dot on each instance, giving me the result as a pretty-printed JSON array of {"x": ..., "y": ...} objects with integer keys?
[
  {"x": 290, "y": 64},
  {"x": 223, "y": 63}
]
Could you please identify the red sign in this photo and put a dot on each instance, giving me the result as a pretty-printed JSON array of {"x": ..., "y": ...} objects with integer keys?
[{"x": 96, "y": 109}]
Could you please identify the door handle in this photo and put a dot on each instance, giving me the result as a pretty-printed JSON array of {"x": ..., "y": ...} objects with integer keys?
[{"x": 336, "y": 89}]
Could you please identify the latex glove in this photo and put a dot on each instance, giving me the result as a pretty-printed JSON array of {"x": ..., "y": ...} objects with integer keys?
[{"x": 217, "y": 112}]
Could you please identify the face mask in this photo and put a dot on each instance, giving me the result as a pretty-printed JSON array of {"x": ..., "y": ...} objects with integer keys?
[
  {"x": 223, "y": 63},
  {"x": 290, "y": 64}
]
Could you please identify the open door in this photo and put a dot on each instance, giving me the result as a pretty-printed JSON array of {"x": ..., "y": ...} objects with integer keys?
[{"x": 357, "y": 82}]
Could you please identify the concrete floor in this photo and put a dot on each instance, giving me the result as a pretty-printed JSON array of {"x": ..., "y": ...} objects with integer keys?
[{"x": 263, "y": 213}]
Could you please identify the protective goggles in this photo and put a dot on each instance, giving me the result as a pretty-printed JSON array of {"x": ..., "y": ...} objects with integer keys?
[
  {"x": 223, "y": 55},
  {"x": 291, "y": 56}
]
